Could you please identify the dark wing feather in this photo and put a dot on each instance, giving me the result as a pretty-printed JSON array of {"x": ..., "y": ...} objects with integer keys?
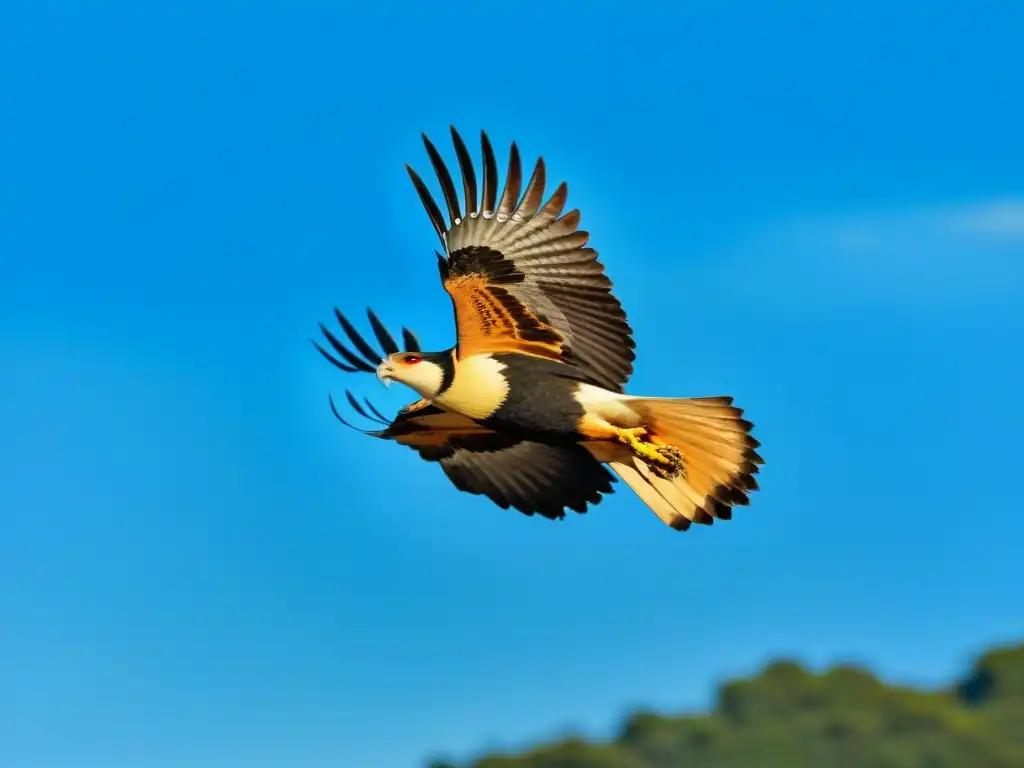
[
  {"x": 349, "y": 361},
  {"x": 385, "y": 339},
  {"x": 533, "y": 478},
  {"x": 519, "y": 272}
]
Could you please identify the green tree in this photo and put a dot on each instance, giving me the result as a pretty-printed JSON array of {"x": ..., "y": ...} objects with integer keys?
[{"x": 788, "y": 717}]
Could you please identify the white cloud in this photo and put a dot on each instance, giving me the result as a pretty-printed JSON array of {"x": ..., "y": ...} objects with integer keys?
[
  {"x": 949, "y": 253},
  {"x": 1001, "y": 219}
]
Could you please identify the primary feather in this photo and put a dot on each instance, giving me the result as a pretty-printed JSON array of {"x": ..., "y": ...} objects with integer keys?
[{"x": 528, "y": 266}]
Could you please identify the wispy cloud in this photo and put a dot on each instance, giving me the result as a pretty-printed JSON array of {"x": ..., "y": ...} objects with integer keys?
[
  {"x": 1001, "y": 219},
  {"x": 967, "y": 252}
]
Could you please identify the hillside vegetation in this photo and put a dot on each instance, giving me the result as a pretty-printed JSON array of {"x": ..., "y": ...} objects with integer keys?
[{"x": 844, "y": 718}]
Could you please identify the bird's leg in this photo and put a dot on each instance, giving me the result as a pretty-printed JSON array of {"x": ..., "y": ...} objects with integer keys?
[{"x": 666, "y": 460}]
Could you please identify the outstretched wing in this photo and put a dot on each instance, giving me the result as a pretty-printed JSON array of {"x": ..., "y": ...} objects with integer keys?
[
  {"x": 519, "y": 274},
  {"x": 351, "y": 363},
  {"x": 534, "y": 478}
]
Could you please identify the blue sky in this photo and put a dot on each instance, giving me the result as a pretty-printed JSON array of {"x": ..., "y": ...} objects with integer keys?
[{"x": 820, "y": 212}]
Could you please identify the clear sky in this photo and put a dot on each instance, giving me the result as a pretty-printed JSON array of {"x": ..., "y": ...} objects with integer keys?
[{"x": 820, "y": 212}]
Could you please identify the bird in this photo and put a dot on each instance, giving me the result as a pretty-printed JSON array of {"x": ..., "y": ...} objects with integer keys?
[{"x": 528, "y": 407}]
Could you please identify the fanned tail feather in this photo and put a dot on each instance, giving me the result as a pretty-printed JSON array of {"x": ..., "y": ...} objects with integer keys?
[{"x": 719, "y": 455}]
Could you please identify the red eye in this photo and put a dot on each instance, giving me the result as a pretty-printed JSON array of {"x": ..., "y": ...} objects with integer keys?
[{"x": 411, "y": 359}]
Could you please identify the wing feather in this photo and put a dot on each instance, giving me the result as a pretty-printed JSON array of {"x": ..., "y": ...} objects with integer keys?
[
  {"x": 370, "y": 357},
  {"x": 533, "y": 478},
  {"x": 410, "y": 340},
  {"x": 357, "y": 363},
  {"x": 513, "y": 183},
  {"x": 490, "y": 175},
  {"x": 451, "y": 197},
  {"x": 519, "y": 272},
  {"x": 384, "y": 338},
  {"x": 468, "y": 172},
  {"x": 436, "y": 218}
]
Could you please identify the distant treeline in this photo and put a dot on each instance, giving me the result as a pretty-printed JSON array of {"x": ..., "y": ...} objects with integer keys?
[{"x": 787, "y": 717}]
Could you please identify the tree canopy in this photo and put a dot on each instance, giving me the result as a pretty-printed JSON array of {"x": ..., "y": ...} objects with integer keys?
[{"x": 843, "y": 718}]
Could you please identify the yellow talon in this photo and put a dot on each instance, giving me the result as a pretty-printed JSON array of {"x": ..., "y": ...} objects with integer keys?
[
  {"x": 665, "y": 459},
  {"x": 631, "y": 437}
]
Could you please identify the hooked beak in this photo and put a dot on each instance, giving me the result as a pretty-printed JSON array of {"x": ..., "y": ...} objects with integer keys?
[{"x": 384, "y": 372}]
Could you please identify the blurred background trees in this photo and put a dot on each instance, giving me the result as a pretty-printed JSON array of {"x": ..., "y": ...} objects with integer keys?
[{"x": 844, "y": 718}]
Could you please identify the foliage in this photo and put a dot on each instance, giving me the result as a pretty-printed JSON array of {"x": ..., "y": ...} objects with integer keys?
[{"x": 843, "y": 718}]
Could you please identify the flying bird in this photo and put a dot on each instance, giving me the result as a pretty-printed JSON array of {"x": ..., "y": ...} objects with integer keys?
[{"x": 528, "y": 406}]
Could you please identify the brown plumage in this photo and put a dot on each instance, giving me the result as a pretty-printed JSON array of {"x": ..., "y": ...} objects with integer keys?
[
  {"x": 528, "y": 407},
  {"x": 532, "y": 270}
]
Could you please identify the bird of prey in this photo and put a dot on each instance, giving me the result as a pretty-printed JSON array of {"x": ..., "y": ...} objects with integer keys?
[{"x": 528, "y": 406}]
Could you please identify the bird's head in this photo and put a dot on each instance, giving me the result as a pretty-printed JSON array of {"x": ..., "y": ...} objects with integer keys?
[{"x": 421, "y": 371}]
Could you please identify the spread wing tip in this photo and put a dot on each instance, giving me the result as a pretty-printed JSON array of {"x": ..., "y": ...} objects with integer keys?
[
  {"x": 339, "y": 417},
  {"x": 347, "y": 360},
  {"x": 374, "y": 415},
  {"x": 488, "y": 203}
]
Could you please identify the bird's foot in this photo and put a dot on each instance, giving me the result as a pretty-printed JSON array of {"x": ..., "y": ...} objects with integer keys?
[{"x": 664, "y": 460}]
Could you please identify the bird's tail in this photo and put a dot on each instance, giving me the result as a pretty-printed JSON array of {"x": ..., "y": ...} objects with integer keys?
[{"x": 718, "y": 452}]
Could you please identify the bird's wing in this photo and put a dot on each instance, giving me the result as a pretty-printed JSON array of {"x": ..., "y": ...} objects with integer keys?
[
  {"x": 519, "y": 273},
  {"x": 346, "y": 360},
  {"x": 534, "y": 478},
  {"x": 350, "y": 362}
]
